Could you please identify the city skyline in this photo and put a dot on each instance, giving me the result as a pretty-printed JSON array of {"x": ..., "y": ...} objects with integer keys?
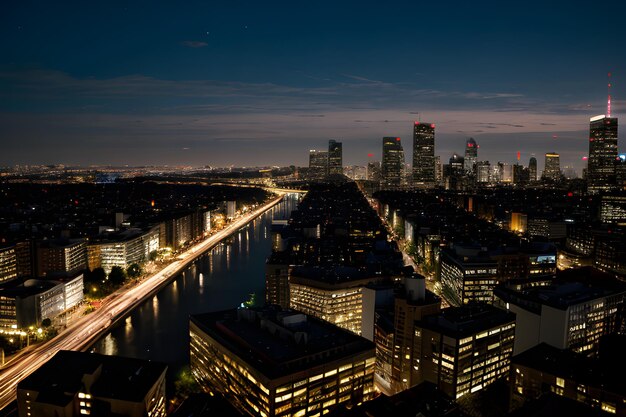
[{"x": 212, "y": 80}]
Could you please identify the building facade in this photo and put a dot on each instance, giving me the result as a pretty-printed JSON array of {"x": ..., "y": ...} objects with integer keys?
[
  {"x": 335, "y": 159},
  {"x": 552, "y": 168},
  {"x": 392, "y": 166},
  {"x": 271, "y": 362},
  {"x": 424, "y": 154},
  {"x": 602, "y": 154},
  {"x": 464, "y": 349}
]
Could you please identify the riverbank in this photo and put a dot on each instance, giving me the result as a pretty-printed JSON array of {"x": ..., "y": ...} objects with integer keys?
[{"x": 86, "y": 330}]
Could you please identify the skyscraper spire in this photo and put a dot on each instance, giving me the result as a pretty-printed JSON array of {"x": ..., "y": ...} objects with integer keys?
[{"x": 608, "y": 106}]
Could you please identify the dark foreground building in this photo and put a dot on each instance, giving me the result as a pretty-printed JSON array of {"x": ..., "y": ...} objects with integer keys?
[{"x": 89, "y": 384}]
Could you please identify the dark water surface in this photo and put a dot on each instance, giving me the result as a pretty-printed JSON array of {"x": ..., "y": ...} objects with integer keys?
[{"x": 222, "y": 278}]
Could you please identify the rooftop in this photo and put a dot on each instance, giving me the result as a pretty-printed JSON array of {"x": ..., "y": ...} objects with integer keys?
[
  {"x": 121, "y": 378},
  {"x": 559, "y": 294},
  {"x": 280, "y": 342},
  {"x": 575, "y": 366},
  {"x": 466, "y": 320}
]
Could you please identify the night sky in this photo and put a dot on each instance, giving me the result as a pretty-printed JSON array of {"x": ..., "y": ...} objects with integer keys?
[{"x": 260, "y": 83}]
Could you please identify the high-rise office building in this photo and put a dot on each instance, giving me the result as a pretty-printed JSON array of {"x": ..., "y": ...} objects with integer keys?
[
  {"x": 424, "y": 153},
  {"x": 393, "y": 162},
  {"x": 532, "y": 169},
  {"x": 552, "y": 169},
  {"x": 373, "y": 171},
  {"x": 438, "y": 169},
  {"x": 471, "y": 155},
  {"x": 483, "y": 171},
  {"x": 602, "y": 153},
  {"x": 318, "y": 163},
  {"x": 335, "y": 161}
]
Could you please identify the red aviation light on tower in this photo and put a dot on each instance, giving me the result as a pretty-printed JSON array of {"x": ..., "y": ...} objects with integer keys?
[
  {"x": 398, "y": 139},
  {"x": 416, "y": 123},
  {"x": 370, "y": 155},
  {"x": 584, "y": 158},
  {"x": 432, "y": 125},
  {"x": 519, "y": 156}
]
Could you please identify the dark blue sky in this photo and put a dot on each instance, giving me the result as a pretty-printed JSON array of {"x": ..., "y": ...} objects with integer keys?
[{"x": 256, "y": 83}]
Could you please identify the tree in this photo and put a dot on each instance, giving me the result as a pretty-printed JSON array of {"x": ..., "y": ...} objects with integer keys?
[
  {"x": 117, "y": 276},
  {"x": 186, "y": 384},
  {"x": 46, "y": 322},
  {"x": 251, "y": 301},
  {"x": 134, "y": 270},
  {"x": 97, "y": 275},
  {"x": 153, "y": 255}
]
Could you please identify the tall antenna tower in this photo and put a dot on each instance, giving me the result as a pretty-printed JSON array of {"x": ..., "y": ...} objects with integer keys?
[{"x": 608, "y": 105}]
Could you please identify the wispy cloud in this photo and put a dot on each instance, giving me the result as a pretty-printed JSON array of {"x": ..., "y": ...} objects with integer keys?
[
  {"x": 194, "y": 44},
  {"x": 60, "y": 115}
]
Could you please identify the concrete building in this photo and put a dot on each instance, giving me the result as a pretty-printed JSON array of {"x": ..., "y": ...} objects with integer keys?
[
  {"x": 61, "y": 257},
  {"x": 273, "y": 362},
  {"x": 546, "y": 369},
  {"x": 613, "y": 209},
  {"x": 35, "y": 300},
  {"x": 566, "y": 315},
  {"x": 73, "y": 384},
  {"x": 122, "y": 249},
  {"x": 412, "y": 303},
  {"x": 8, "y": 264},
  {"x": 333, "y": 295},
  {"x": 464, "y": 349}
]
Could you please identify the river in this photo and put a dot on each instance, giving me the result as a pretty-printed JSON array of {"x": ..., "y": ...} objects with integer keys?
[{"x": 219, "y": 279}]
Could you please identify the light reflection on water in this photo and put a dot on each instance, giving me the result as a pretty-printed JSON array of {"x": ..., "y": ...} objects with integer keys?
[{"x": 220, "y": 279}]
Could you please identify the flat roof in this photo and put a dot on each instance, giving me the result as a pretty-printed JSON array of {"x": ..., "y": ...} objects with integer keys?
[
  {"x": 560, "y": 295},
  {"x": 121, "y": 378},
  {"x": 467, "y": 320},
  {"x": 578, "y": 367},
  {"x": 246, "y": 333}
]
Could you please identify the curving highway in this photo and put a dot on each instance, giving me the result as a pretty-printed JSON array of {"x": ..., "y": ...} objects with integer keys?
[{"x": 87, "y": 329}]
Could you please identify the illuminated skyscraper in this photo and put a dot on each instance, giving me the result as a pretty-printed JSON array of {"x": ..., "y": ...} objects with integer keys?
[
  {"x": 471, "y": 155},
  {"x": 393, "y": 162},
  {"x": 602, "y": 153},
  {"x": 532, "y": 169},
  {"x": 335, "y": 162},
  {"x": 552, "y": 169},
  {"x": 318, "y": 163},
  {"x": 483, "y": 169},
  {"x": 602, "y": 150},
  {"x": 424, "y": 153}
]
